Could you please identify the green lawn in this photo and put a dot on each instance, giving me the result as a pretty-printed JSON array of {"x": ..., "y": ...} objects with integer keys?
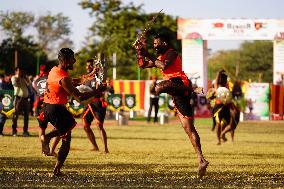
[{"x": 150, "y": 156}]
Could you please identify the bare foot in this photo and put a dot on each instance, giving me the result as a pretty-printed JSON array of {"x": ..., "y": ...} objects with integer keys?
[
  {"x": 218, "y": 143},
  {"x": 106, "y": 151},
  {"x": 224, "y": 138},
  {"x": 95, "y": 149},
  {"x": 45, "y": 147},
  {"x": 202, "y": 169},
  {"x": 57, "y": 174}
]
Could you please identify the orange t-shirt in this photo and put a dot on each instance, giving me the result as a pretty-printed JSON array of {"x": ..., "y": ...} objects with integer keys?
[{"x": 55, "y": 93}]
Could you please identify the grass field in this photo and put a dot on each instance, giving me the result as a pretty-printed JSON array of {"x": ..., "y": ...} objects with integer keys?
[{"x": 150, "y": 156}]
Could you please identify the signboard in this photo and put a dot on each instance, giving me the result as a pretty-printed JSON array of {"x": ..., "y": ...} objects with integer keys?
[
  {"x": 230, "y": 29},
  {"x": 7, "y": 102},
  {"x": 194, "y": 58},
  {"x": 115, "y": 100},
  {"x": 130, "y": 101},
  {"x": 257, "y": 97},
  {"x": 75, "y": 108},
  {"x": 278, "y": 59}
]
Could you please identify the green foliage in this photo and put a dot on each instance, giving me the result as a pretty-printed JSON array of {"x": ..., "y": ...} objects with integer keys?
[
  {"x": 253, "y": 61},
  {"x": 15, "y": 23},
  {"x": 256, "y": 59},
  {"x": 27, "y": 55},
  {"x": 53, "y": 31},
  {"x": 115, "y": 30},
  {"x": 223, "y": 60}
]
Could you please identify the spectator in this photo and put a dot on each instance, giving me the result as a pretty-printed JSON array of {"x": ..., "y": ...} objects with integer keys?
[
  {"x": 7, "y": 84},
  {"x": 21, "y": 100},
  {"x": 109, "y": 91},
  {"x": 154, "y": 101}
]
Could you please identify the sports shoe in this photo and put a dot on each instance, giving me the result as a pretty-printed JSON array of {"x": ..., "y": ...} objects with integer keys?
[
  {"x": 14, "y": 134},
  {"x": 1, "y": 134}
]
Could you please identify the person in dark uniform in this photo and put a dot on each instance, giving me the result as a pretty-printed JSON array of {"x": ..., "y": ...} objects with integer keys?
[
  {"x": 176, "y": 84},
  {"x": 225, "y": 113},
  {"x": 95, "y": 110},
  {"x": 154, "y": 101}
]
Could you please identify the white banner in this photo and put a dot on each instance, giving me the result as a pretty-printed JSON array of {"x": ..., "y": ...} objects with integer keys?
[
  {"x": 278, "y": 62},
  {"x": 194, "y": 61},
  {"x": 230, "y": 29},
  {"x": 257, "y": 97}
]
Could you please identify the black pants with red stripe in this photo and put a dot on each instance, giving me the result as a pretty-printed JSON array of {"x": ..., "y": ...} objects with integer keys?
[
  {"x": 94, "y": 110},
  {"x": 181, "y": 94}
]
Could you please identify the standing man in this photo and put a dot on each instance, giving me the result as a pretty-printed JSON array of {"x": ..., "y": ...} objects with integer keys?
[
  {"x": 59, "y": 87},
  {"x": 154, "y": 100},
  {"x": 95, "y": 110},
  {"x": 176, "y": 84},
  {"x": 20, "y": 83}
]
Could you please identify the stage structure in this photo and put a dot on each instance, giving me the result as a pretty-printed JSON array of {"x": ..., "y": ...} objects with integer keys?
[{"x": 195, "y": 33}]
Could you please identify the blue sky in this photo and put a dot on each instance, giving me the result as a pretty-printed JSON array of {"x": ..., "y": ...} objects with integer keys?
[{"x": 203, "y": 9}]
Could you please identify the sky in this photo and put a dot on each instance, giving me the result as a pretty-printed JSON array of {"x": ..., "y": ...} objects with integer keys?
[{"x": 198, "y": 9}]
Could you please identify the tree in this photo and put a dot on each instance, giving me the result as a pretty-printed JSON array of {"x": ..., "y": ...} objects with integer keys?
[
  {"x": 15, "y": 23},
  {"x": 115, "y": 30},
  {"x": 27, "y": 53},
  {"x": 53, "y": 31},
  {"x": 256, "y": 61},
  {"x": 227, "y": 60},
  {"x": 253, "y": 61}
]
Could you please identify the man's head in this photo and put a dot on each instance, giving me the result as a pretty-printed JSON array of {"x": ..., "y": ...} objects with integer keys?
[
  {"x": 90, "y": 65},
  {"x": 223, "y": 78},
  {"x": 19, "y": 71},
  {"x": 66, "y": 58},
  {"x": 161, "y": 43}
]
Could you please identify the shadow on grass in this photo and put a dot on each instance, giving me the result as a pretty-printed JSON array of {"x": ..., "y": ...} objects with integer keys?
[{"x": 22, "y": 172}]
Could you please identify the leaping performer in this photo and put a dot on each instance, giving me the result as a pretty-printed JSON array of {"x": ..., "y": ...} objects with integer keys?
[
  {"x": 59, "y": 87},
  {"x": 175, "y": 83}
]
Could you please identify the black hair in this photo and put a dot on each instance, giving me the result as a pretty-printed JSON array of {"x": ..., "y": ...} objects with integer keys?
[
  {"x": 223, "y": 78},
  {"x": 64, "y": 54},
  {"x": 91, "y": 60},
  {"x": 163, "y": 38},
  {"x": 18, "y": 68}
]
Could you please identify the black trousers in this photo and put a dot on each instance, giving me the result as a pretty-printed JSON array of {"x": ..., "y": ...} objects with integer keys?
[
  {"x": 153, "y": 102},
  {"x": 21, "y": 105},
  {"x": 3, "y": 119}
]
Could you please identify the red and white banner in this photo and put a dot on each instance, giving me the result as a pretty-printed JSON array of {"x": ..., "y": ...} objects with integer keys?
[{"x": 230, "y": 29}]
